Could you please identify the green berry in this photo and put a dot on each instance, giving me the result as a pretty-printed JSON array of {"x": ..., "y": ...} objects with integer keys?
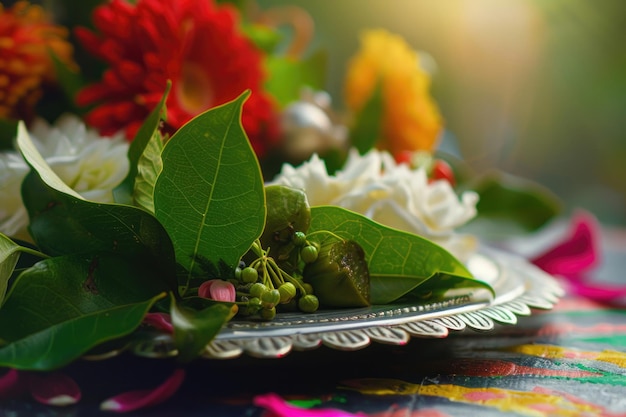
[
  {"x": 299, "y": 239},
  {"x": 249, "y": 274},
  {"x": 257, "y": 289},
  {"x": 308, "y": 288},
  {"x": 270, "y": 298},
  {"x": 268, "y": 313},
  {"x": 254, "y": 305},
  {"x": 287, "y": 292},
  {"x": 309, "y": 303},
  {"x": 308, "y": 254}
]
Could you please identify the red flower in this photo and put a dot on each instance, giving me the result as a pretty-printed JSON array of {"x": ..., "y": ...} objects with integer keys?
[{"x": 193, "y": 43}]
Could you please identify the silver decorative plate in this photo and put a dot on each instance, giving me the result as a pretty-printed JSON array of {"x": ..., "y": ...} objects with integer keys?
[{"x": 519, "y": 287}]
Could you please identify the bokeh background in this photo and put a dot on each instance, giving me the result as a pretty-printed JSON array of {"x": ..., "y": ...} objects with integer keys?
[{"x": 533, "y": 87}]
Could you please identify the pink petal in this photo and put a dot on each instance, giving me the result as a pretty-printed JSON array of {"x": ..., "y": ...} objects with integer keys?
[
  {"x": 278, "y": 407},
  {"x": 217, "y": 289},
  {"x": 160, "y": 321},
  {"x": 134, "y": 400},
  {"x": 54, "y": 389},
  {"x": 12, "y": 384},
  {"x": 599, "y": 292},
  {"x": 577, "y": 253}
]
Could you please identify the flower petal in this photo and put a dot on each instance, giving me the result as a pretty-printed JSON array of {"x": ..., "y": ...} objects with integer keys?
[
  {"x": 12, "y": 384},
  {"x": 577, "y": 253},
  {"x": 599, "y": 292},
  {"x": 278, "y": 407},
  {"x": 217, "y": 289},
  {"x": 160, "y": 321},
  {"x": 54, "y": 389},
  {"x": 134, "y": 400}
]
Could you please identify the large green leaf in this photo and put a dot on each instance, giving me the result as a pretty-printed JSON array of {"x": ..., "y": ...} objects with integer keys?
[
  {"x": 59, "y": 289},
  {"x": 61, "y": 222},
  {"x": 62, "y": 307},
  {"x": 147, "y": 134},
  {"x": 399, "y": 262},
  {"x": 210, "y": 194},
  {"x": 196, "y": 322}
]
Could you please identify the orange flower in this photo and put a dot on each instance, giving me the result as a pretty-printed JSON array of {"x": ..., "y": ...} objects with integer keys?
[
  {"x": 194, "y": 43},
  {"x": 411, "y": 119},
  {"x": 26, "y": 39}
]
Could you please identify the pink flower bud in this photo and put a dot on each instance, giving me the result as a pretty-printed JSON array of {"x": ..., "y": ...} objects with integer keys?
[{"x": 217, "y": 289}]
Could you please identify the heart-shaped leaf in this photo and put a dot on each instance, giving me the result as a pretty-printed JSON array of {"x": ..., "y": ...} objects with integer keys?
[
  {"x": 210, "y": 194},
  {"x": 398, "y": 261}
]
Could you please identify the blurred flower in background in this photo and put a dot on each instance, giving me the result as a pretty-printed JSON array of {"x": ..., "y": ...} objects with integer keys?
[
  {"x": 197, "y": 44},
  {"x": 211, "y": 52},
  {"x": 27, "y": 40},
  {"x": 410, "y": 119}
]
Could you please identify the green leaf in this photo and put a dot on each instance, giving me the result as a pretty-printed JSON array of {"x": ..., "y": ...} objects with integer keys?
[
  {"x": 210, "y": 194},
  {"x": 399, "y": 262},
  {"x": 8, "y": 128},
  {"x": 62, "y": 307},
  {"x": 287, "y": 76},
  {"x": 367, "y": 128},
  {"x": 511, "y": 206},
  {"x": 60, "y": 344},
  {"x": 149, "y": 167},
  {"x": 264, "y": 37},
  {"x": 36, "y": 162},
  {"x": 196, "y": 323},
  {"x": 143, "y": 142},
  {"x": 9, "y": 255},
  {"x": 61, "y": 222},
  {"x": 71, "y": 81}
]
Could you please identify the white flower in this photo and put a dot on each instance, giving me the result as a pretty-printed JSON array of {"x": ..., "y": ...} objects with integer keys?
[
  {"x": 389, "y": 193},
  {"x": 90, "y": 164}
]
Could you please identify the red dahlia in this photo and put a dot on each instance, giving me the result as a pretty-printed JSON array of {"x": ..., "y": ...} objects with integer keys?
[{"x": 195, "y": 44}]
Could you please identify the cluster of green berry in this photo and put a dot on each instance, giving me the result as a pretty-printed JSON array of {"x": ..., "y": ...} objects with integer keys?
[{"x": 264, "y": 285}]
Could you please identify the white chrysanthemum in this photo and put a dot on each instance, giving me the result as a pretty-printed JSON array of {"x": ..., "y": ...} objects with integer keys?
[
  {"x": 90, "y": 164},
  {"x": 389, "y": 193}
]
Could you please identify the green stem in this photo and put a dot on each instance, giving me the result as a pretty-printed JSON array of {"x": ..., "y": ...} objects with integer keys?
[
  {"x": 271, "y": 269},
  {"x": 294, "y": 281},
  {"x": 33, "y": 252}
]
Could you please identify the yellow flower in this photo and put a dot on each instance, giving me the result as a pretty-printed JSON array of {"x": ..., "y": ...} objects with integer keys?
[
  {"x": 411, "y": 119},
  {"x": 26, "y": 39}
]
